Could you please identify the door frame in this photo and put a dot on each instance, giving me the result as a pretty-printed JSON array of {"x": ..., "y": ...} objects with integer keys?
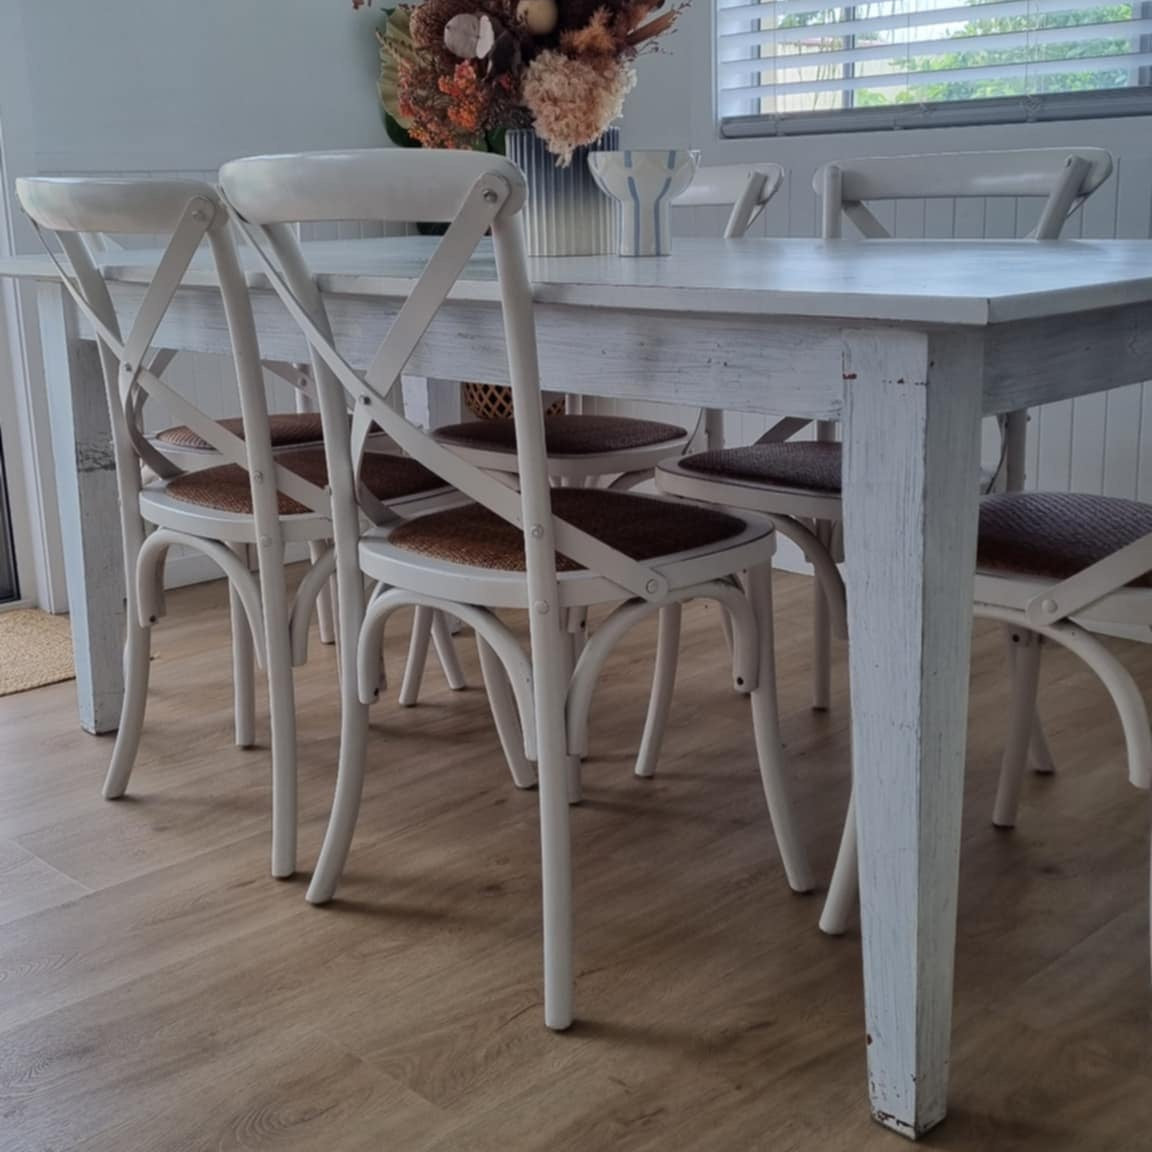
[{"x": 23, "y": 405}]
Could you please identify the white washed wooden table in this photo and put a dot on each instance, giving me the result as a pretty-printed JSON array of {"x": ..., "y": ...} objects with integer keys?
[{"x": 907, "y": 343}]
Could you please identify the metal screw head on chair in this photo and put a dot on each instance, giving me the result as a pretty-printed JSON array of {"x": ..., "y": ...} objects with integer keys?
[
  {"x": 542, "y": 607},
  {"x": 489, "y": 196},
  {"x": 651, "y": 587},
  {"x": 126, "y": 367},
  {"x": 1049, "y": 607},
  {"x": 536, "y": 531}
]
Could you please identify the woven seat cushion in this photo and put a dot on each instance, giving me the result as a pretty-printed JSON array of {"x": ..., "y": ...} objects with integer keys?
[
  {"x": 1054, "y": 535},
  {"x": 565, "y": 435},
  {"x": 809, "y": 464},
  {"x": 639, "y": 526},
  {"x": 287, "y": 429},
  {"x": 227, "y": 488}
]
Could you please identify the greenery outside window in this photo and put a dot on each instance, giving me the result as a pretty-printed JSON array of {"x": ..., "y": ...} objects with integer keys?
[{"x": 793, "y": 67}]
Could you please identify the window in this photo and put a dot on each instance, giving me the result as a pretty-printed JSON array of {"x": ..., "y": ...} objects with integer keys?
[{"x": 791, "y": 66}]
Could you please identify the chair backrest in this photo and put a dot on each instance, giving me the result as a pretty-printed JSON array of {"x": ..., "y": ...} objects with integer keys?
[
  {"x": 473, "y": 193},
  {"x": 746, "y": 187},
  {"x": 189, "y": 213},
  {"x": 1063, "y": 177}
]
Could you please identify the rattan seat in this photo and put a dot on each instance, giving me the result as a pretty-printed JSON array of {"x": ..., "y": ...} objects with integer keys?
[
  {"x": 1054, "y": 535},
  {"x": 227, "y": 488},
  {"x": 565, "y": 435},
  {"x": 288, "y": 429},
  {"x": 641, "y": 527},
  {"x": 810, "y": 464}
]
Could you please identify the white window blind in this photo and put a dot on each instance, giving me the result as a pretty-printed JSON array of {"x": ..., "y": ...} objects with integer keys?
[{"x": 794, "y": 65}]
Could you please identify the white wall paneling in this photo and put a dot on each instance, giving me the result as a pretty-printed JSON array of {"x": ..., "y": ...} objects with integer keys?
[{"x": 1099, "y": 443}]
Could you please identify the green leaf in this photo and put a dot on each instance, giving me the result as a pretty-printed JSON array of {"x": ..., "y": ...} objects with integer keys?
[
  {"x": 397, "y": 133},
  {"x": 395, "y": 44}
]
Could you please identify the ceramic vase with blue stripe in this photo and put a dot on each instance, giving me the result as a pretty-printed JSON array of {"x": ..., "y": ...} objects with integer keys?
[
  {"x": 644, "y": 182},
  {"x": 566, "y": 213}
]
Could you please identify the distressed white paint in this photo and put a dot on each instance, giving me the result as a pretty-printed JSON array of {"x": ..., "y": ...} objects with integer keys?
[
  {"x": 86, "y": 488},
  {"x": 930, "y": 282},
  {"x": 911, "y": 426},
  {"x": 913, "y": 403},
  {"x": 1095, "y": 444}
]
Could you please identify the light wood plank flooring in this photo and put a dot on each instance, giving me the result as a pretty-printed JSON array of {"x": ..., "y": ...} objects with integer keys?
[{"x": 159, "y": 992}]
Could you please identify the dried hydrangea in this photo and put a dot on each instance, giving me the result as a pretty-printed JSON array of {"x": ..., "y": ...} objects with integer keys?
[{"x": 573, "y": 101}]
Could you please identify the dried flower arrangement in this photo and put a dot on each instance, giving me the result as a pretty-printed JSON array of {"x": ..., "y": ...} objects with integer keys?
[{"x": 459, "y": 73}]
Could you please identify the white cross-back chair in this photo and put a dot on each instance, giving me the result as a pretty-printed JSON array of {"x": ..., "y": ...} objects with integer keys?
[
  {"x": 1053, "y": 567},
  {"x": 585, "y": 447},
  {"x": 797, "y": 482},
  {"x": 249, "y": 504},
  {"x": 501, "y": 551}
]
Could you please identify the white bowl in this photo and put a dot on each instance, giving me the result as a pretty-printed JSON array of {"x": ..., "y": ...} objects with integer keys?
[{"x": 644, "y": 181}]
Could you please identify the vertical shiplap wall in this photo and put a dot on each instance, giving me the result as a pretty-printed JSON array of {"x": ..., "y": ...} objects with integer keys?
[
  {"x": 1097, "y": 444},
  {"x": 1100, "y": 443}
]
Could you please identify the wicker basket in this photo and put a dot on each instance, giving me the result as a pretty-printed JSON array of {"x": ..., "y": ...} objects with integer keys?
[{"x": 494, "y": 402}]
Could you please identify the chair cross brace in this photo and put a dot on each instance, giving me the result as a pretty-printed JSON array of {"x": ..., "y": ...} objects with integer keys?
[
  {"x": 370, "y": 392},
  {"x": 139, "y": 381}
]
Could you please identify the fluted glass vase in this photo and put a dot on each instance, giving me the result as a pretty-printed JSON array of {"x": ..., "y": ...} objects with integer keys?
[{"x": 566, "y": 213}]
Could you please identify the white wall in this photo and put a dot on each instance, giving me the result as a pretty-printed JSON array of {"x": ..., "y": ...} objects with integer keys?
[
  {"x": 161, "y": 84},
  {"x": 1099, "y": 443},
  {"x": 157, "y": 87}
]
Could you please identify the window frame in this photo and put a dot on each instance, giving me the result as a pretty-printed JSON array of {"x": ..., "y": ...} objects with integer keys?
[{"x": 1105, "y": 103}]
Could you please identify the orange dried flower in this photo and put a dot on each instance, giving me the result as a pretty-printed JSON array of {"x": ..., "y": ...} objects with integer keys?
[
  {"x": 468, "y": 98},
  {"x": 596, "y": 38}
]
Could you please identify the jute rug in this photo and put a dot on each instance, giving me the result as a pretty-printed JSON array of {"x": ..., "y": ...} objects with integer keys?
[{"x": 35, "y": 649}]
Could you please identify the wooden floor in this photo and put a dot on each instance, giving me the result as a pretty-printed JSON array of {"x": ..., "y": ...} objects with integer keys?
[{"x": 159, "y": 992}]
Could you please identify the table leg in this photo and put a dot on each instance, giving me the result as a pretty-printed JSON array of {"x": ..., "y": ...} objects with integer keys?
[
  {"x": 912, "y": 430},
  {"x": 89, "y": 514}
]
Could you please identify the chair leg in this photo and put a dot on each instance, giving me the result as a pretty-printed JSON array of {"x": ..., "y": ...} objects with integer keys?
[
  {"x": 281, "y": 708},
  {"x": 663, "y": 682},
  {"x": 844, "y": 890},
  {"x": 551, "y": 675},
  {"x": 821, "y": 637},
  {"x": 1039, "y": 751},
  {"x": 571, "y": 645},
  {"x": 505, "y": 716},
  {"x": 578, "y": 627},
  {"x": 446, "y": 652},
  {"x": 243, "y": 665},
  {"x": 417, "y": 656},
  {"x": 137, "y": 665},
  {"x": 766, "y": 725},
  {"x": 726, "y": 628},
  {"x": 1025, "y": 678},
  {"x": 325, "y": 608},
  {"x": 346, "y": 805}
]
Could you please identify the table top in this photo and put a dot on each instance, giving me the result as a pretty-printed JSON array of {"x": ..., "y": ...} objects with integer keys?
[{"x": 951, "y": 282}]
